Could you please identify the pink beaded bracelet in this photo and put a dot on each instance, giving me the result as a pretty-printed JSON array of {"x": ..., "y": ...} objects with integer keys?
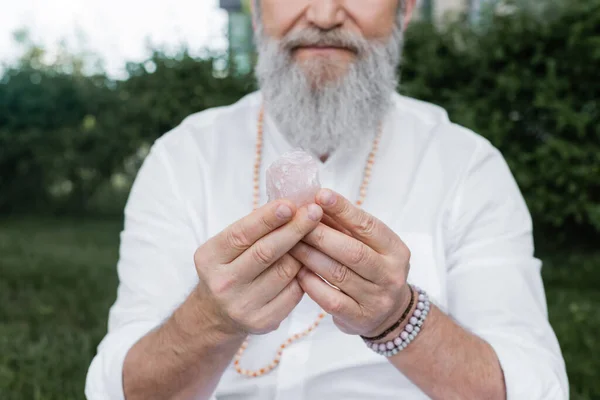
[{"x": 410, "y": 331}]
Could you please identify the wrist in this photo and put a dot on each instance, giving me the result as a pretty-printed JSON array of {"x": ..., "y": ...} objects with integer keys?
[
  {"x": 410, "y": 330},
  {"x": 199, "y": 324},
  {"x": 408, "y": 310},
  {"x": 397, "y": 318}
]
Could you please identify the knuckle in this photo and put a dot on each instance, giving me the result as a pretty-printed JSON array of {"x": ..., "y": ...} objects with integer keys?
[
  {"x": 268, "y": 223},
  {"x": 269, "y": 325},
  {"x": 398, "y": 281},
  {"x": 200, "y": 258},
  {"x": 237, "y": 238},
  {"x": 221, "y": 285},
  {"x": 345, "y": 209},
  {"x": 296, "y": 290},
  {"x": 407, "y": 253},
  {"x": 335, "y": 306},
  {"x": 357, "y": 253},
  {"x": 366, "y": 225},
  {"x": 262, "y": 254},
  {"x": 319, "y": 236},
  {"x": 305, "y": 252},
  {"x": 395, "y": 280},
  {"x": 297, "y": 228},
  {"x": 238, "y": 316},
  {"x": 395, "y": 243},
  {"x": 339, "y": 272},
  {"x": 386, "y": 303},
  {"x": 286, "y": 269},
  {"x": 402, "y": 252},
  {"x": 401, "y": 248},
  {"x": 343, "y": 326},
  {"x": 263, "y": 323}
]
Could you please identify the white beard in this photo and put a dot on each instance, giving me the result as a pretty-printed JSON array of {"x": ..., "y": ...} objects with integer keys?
[{"x": 319, "y": 114}]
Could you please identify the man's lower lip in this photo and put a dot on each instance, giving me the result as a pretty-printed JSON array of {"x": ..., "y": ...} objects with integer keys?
[{"x": 315, "y": 48}]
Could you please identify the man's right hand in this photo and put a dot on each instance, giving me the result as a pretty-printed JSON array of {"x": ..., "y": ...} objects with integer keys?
[{"x": 247, "y": 277}]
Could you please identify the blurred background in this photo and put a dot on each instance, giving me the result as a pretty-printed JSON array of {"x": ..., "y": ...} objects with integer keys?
[{"x": 86, "y": 87}]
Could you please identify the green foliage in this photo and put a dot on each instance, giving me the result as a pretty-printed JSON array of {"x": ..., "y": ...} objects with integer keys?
[
  {"x": 176, "y": 88},
  {"x": 526, "y": 80},
  {"x": 529, "y": 83},
  {"x": 64, "y": 137},
  {"x": 58, "y": 278},
  {"x": 52, "y": 141}
]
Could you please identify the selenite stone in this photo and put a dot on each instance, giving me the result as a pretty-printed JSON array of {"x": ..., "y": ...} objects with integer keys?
[{"x": 294, "y": 176}]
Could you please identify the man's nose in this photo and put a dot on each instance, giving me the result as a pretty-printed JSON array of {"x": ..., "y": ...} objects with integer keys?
[{"x": 326, "y": 14}]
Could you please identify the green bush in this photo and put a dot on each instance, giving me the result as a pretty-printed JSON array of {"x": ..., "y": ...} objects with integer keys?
[
  {"x": 527, "y": 81},
  {"x": 64, "y": 137},
  {"x": 60, "y": 138}
]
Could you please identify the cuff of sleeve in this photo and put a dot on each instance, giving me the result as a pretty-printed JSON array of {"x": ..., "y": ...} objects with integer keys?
[
  {"x": 105, "y": 376},
  {"x": 529, "y": 373}
]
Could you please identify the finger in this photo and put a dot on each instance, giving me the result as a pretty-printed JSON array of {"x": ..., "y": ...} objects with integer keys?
[
  {"x": 348, "y": 251},
  {"x": 334, "y": 272},
  {"x": 327, "y": 220},
  {"x": 274, "y": 245},
  {"x": 282, "y": 305},
  {"x": 274, "y": 279},
  {"x": 239, "y": 236},
  {"x": 361, "y": 224},
  {"x": 331, "y": 300}
]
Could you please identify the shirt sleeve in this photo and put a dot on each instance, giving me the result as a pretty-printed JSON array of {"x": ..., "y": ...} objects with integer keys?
[
  {"x": 495, "y": 288},
  {"x": 155, "y": 263}
]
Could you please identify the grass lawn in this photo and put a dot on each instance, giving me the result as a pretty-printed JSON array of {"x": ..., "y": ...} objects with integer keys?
[{"x": 58, "y": 279}]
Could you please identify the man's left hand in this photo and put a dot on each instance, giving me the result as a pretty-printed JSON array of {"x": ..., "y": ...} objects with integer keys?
[{"x": 361, "y": 257}]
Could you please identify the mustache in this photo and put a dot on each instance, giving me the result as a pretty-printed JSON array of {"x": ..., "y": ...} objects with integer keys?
[{"x": 314, "y": 37}]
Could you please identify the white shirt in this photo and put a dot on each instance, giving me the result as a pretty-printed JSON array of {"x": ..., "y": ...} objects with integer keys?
[{"x": 445, "y": 191}]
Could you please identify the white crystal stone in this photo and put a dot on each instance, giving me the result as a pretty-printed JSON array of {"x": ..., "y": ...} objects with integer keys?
[{"x": 294, "y": 176}]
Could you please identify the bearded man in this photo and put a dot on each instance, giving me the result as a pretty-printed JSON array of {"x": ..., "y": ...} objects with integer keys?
[{"x": 218, "y": 300}]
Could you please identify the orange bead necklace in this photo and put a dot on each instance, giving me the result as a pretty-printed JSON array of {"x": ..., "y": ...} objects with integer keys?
[{"x": 256, "y": 203}]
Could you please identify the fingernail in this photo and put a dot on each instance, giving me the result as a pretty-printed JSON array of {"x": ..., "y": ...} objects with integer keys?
[
  {"x": 314, "y": 212},
  {"x": 302, "y": 272},
  {"x": 283, "y": 212},
  {"x": 326, "y": 197}
]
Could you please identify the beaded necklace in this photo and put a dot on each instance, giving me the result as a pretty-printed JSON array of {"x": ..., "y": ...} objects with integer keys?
[{"x": 256, "y": 203}]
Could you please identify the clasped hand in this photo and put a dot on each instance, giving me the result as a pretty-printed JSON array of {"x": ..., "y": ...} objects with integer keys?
[
  {"x": 256, "y": 271},
  {"x": 361, "y": 257}
]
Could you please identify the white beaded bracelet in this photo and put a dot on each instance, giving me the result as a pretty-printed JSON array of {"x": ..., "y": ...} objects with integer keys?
[{"x": 410, "y": 331}]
